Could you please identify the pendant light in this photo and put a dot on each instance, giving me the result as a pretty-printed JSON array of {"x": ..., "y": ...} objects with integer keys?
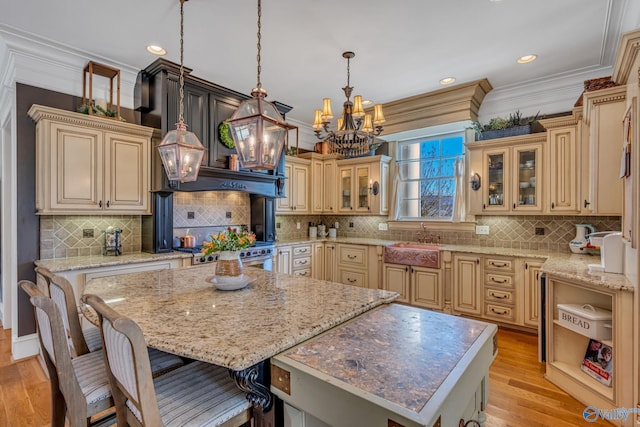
[
  {"x": 257, "y": 127},
  {"x": 181, "y": 151}
]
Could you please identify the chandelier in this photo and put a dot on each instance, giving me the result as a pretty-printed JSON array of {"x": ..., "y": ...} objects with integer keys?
[
  {"x": 180, "y": 150},
  {"x": 355, "y": 132},
  {"x": 257, "y": 127}
]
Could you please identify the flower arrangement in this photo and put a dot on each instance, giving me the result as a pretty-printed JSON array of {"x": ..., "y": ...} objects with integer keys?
[{"x": 229, "y": 240}]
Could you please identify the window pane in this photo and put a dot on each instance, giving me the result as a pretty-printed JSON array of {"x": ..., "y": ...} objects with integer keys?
[{"x": 427, "y": 171}]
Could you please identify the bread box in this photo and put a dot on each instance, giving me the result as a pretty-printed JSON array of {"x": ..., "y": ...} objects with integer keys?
[{"x": 585, "y": 319}]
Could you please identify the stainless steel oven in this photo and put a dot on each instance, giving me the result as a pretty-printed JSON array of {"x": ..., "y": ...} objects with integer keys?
[{"x": 261, "y": 255}]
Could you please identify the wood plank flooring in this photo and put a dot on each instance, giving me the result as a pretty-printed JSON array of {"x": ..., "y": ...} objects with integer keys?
[{"x": 519, "y": 396}]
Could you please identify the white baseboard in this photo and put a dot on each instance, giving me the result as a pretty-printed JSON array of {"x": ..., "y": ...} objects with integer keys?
[{"x": 25, "y": 346}]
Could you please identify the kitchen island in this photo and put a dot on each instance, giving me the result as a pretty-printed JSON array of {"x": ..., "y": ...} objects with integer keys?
[{"x": 180, "y": 311}]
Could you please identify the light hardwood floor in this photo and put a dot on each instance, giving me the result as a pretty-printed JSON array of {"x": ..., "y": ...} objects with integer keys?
[{"x": 519, "y": 396}]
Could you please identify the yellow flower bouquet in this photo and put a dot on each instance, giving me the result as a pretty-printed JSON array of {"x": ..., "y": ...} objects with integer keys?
[{"x": 229, "y": 240}]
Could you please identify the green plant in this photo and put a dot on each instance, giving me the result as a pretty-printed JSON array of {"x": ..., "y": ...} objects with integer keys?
[
  {"x": 99, "y": 111},
  {"x": 229, "y": 240},
  {"x": 497, "y": 123}
]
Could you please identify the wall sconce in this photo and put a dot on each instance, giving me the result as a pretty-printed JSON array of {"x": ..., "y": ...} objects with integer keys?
[
  {"x": 475, "y": 182},
  {"x": 374, "y": 188}
]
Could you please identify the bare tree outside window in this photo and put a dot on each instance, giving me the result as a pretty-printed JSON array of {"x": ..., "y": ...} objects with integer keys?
[{"x": 427, "y": 171}]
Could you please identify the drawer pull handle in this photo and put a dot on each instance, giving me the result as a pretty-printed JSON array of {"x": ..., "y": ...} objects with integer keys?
[
  {"x": 352, "y": 256},
  {"x": 493, "y": 279},
  {"x": 500, "y": 265},
  {"x": 501, "y": 313},
  {"x": 303, "y": 261},
  {"x": 499, "y": 296},
  {"x": 302, "y": 250},
  {"x": 351, "y": 280},
  {"x": 304, "y": 273}
]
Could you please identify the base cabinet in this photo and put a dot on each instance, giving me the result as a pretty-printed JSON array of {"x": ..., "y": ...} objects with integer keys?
[
  {"x": 531, "y": 287},
  {"x": 284, "y": 259},
  {"x": 466, "y": 284},
  {"x": 357, "y": 265},
  {"x": 566, "y": 348},
  {"x": 419, "y": 286}
]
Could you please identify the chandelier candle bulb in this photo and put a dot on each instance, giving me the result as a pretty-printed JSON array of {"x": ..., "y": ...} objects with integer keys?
[{"x": 327, "y": 114}]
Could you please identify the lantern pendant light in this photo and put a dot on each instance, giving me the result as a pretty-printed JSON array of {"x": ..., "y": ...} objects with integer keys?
[
  {"x": 181, "y": 151},
  {"x": 257, "y": 128}
]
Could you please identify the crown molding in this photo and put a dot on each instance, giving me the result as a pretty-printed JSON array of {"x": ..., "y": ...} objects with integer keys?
[
  {"x": 627, "y": 53},
  {"x": 28, "y": 59}
]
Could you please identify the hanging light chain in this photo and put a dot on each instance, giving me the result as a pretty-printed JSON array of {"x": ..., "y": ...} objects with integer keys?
[
  {"x": 259, "y": 85},
  {"x": 181, "y": 114},
  {"x": 348, "y": 71}
]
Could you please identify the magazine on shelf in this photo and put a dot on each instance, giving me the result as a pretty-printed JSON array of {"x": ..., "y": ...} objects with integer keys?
[{"x": 598, "y": 361}]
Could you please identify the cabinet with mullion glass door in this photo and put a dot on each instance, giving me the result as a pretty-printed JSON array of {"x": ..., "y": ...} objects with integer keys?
[
  {"x": 527, "y": 161},
  {"x": 496, "y": 167}
]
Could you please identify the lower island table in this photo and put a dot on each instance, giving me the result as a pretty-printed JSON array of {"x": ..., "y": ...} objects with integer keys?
[{"x": 256, "y": 329}]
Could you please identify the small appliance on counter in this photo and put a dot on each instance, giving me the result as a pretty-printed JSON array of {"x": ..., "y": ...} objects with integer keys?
[
  {"x": 579, "y": 243},
  {"x": 611, "y": 254},
  {"x": 112, "y": 245}
]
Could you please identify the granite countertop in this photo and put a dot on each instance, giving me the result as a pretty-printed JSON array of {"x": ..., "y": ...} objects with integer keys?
[
  {"x": 181, "y": 312},
  {"x": 78, "y": 263},
  {"x": 375, "y": 350},
  {"x": 576, "y": 267}
]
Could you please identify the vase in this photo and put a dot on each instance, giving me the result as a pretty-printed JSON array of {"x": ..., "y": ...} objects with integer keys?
[{"x": 229, "y": 264}]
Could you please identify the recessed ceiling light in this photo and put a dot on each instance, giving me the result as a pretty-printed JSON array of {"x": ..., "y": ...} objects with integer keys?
[
  {"x": 156, "y": 50},
  {"x": 527, "y": 58},
  {"x": 367, "y": 102},
  {"x": 447, "y": 80}
]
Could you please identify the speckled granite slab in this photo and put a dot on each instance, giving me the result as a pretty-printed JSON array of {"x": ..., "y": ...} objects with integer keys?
[
  {"x": 576, "y": 267},
  {"x": 181, "y": 312},
  {"x": 398, "y": 353},
  {"x": 82, "y": 262}
]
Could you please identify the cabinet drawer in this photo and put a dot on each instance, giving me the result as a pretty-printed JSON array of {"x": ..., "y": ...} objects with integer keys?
[
  {"x": 502, "y": 264},
  {"x": 507, "y": 314},
  {"x": 304, "y": 262},
  {"x": 499, "y": 295},
  {"x": 301, "y": 250},
  {"x": 353, "y": 255},
  {"x": 355, "y": 278},
  {"x": 306, "y": 272},
  {"x": 494, "y": 279}
]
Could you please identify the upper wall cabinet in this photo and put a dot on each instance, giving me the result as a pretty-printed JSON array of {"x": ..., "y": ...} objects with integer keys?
[
  {"x": 602, "y": 142},
  {"x": 90, "y": 165},
  {"x": 296, "y": 200},
  {"x": 511, "y": 173}
]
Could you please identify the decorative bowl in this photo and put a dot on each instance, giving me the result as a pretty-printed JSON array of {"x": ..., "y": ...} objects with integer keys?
[
  {"x": 231, "y": 283},
  {"x": 524, "y": 184}
]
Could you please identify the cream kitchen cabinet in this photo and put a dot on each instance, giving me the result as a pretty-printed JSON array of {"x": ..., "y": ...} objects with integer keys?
[
  {"x": 323, "y": 182},
  {"x": 601, "y": 143},
  {"x": 318, "y": 264},
  {"x": 531, "y": 287},
  {"x": 302, "y": 260},
  {"x": 357, "y": 265},
  {"x": 296, "y": 200},
  {"x": 284, "y": 261},
  {"x": 357, "y": 180},
  {"x": 562, "y": 180},
  {"x": 511, "y": 173},
  {"x": 467, "y": 284},
  {"x": 330, "y": 261},
  {"x": 419, "y": 286},
  {"x": 502, "y": 290},
  {"x": 90, "y": 165}
]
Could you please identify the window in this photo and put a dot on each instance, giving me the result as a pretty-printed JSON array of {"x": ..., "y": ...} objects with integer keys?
[{"x": 427, "y": 169}]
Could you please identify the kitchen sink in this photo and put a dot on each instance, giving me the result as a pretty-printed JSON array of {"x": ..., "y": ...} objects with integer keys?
[{"x": 418, "y": 254}]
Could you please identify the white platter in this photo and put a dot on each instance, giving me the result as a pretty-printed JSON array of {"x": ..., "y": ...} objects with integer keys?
[{"x": 231, "y": 283}]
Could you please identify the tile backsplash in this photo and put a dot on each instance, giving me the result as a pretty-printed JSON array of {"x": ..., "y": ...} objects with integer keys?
[
  {"x": 210, "y": 208},
  {"x": 64, "y": 236},
  {"x": 517, "y": 232}
]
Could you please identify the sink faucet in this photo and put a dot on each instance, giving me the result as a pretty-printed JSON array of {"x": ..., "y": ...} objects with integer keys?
[{"x": 426, "y": 236}]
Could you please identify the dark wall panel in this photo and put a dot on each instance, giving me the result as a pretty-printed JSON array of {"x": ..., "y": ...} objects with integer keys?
[{"x": 28, "y": 232}]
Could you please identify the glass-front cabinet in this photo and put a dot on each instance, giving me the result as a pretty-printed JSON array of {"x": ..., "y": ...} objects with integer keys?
[
  {"x": 527, "y": 161},
  {"x": 354, "y": 188},
  {"x": 495, "y": 192}
]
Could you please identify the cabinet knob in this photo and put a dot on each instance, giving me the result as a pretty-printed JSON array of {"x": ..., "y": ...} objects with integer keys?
[
  {"x": 108, "y": 203},
  {"x": 484, "y": 206},
  {"x": 586, "y": 203},
  {"x": 477, "y": 260},
  {"x": 514, "y": 206},
  {"x": 553, "y": 205},
  {"x": 100, "y": 203},
  {"x": 406, "y": 269},
  {"x": 526, "y": 265}
]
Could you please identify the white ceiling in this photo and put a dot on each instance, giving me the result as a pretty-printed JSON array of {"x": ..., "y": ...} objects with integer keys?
[{"x": 402, "y": 47}]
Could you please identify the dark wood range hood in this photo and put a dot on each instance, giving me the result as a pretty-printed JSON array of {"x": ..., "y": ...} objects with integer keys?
[{"x": 206, "y": 106}]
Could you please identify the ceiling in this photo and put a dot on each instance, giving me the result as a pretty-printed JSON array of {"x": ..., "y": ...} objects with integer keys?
[{"x": 403, "y": 48}]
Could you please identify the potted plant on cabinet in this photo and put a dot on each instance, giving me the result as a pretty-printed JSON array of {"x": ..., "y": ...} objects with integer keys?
[{"x": 500, "y": 127}]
